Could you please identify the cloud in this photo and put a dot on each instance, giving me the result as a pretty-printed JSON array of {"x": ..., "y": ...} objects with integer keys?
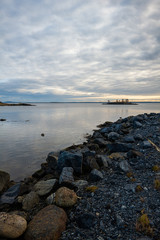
[{"x": 79, "y": 49}]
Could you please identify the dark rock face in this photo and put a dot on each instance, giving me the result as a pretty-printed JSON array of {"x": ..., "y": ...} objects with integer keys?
[
  {"x": 119, "y": 147},
  {"x": 4, "y": 180},
  {"x": 68, "y": 159},
  {"x": 48, "y": 224},
  {"x": 10, "y": 195}
]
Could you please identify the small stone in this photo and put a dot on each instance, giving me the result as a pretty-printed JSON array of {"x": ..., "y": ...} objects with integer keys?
[
  {"x": 146, "y": 144},
  {"x": 12, "y": 226},
  {"x": 103, "y": 160},
  {"x": 65, "y": 197},
  {"x": 30, "y": 200},
  {"x": 66, "y": 175},
  {"x": 138, "y": 137},
  {"x": 112, "y": 136},
  {"x": 124, "y": 165},
  {"x": 137, "y": 124},
  {"x": 50, "y": 199},
  {"x": 44, "y": 187},
  {"x": 80, "y": 184},
  {"x": 129, "y": 139},
  {"x": 95, "y": 175},
  {"x": 47, "y": 224}
]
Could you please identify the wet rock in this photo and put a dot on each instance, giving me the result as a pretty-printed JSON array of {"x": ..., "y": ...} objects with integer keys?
[
  {"x": 47, "y": 224},
  {"x": 52, "y": 160},
  {"x": 86, "y": 220},
  {"x": 10, "y": 195},
  {"x": 119, "y": 147},
  {"x": 95, "y": 175},
  {"x": 65, "y": 197},
  {"x": 12, "y": 226},
  {"x": 30, "y": 201},
  {"x": 44, "y": 187},
  {"x": 68, "y": 159},
  {"x": 66, "y": 175},
  {"x": 4, "y": 180},
  {"x": 112, "y": 136},
  {"x": 124, "y": 165}
]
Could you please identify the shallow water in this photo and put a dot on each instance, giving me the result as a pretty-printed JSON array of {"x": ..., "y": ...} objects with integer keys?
[{"x": 23, "y": 149}]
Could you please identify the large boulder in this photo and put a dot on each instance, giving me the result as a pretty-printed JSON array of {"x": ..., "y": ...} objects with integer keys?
[
  {"x": 4, "y": 180},
  {"x": 44, "y": 187},
  {"x": 10, "y": 195},
  {"x": 12, "y": 226},
  {"x": 70, "y": 159},
  {"x": 47, "y": 224},
  {"x": 65, "y": 197}
]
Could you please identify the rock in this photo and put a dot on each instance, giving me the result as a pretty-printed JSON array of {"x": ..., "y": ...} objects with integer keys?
[
  {"x": 39, "y": 173},
  {"x": 117, "y": 155},
  {"x": 129, "y": 139},
  {"x": 47, "y": 224},
  {"x": 52, "y": 160},
  {"x": 80, "y": 184},
  {"x": 119, "y": 147},
  {"x": 95, "y": 175},
  {"x": 65, "y": 197},
  {"x": 4, "y": 180},
  {"x": 112, "y": 136},
  {"x": 124, "y": 165},
  {"x": 44, "y": 187},
  {"x": 50, "y": 199},
  {"x": 138, "y": 137},
  {"x": 10, "y": 195},
  {"x": 86, "y": 220},
  {"x": 92, "y": 163},
  {"x": 66, "y": 175},
  {"x": 103, "y": 160},
  {"x": 68, "y": 159},
  {"x": 146, "y": 144},
  {"x": 2, "y": 119},
  {"x": 105, "y": 130},
  {"x": 133, "y": 153},
  {"x": 101, "y": 142},
  {"x": 137, "y": 124},
  {"x": 12, "y": 226},
  {"x": 30, "y": 201}
]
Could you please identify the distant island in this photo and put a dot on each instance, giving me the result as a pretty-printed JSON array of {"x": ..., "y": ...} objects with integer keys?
[
  {"x": 120, "y": 102},
  {"x": 15, "y": 104}
]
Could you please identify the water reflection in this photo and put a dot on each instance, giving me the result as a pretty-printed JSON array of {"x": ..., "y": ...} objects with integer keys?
[{"x": 23, "y": 149}]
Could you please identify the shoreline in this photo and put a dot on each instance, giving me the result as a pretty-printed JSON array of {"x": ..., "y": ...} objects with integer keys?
[{"x": 117, "y": 166}]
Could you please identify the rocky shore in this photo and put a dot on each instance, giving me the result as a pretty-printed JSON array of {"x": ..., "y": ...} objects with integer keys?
[
  {"x": 15, "y": 104},
  {"x": 106, "y": 188}
]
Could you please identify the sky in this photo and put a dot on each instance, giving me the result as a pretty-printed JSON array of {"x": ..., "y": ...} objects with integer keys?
[{"x": 79, "y": 50}]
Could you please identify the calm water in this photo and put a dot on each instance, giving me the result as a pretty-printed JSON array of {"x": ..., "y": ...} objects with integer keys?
[{"x": 23, "y": 149}]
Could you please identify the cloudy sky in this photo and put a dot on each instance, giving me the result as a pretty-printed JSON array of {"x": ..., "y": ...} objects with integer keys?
[{"x": 79, "y": 50}]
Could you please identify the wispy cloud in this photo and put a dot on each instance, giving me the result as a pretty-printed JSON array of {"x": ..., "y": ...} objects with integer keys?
[{"x": 68, "y": 50}]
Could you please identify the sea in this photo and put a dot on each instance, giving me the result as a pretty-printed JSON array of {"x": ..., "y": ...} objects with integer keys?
[{"x": 31, "y": 132}]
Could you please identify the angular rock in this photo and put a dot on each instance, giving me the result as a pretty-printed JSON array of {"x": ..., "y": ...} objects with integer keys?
[
  {"x": 95, "y": 175},
  {"x": 10, "y": 195},
  {"x": 119, "y": 147},
  {"x": 47, "y": 224},
  {"x": 103, "y": 160},
  {"x": 66, "y": 175},
  {"x": 44, "y": 187},
  {"x": 52, "y": 160},
  {"x": 112, "y": 136},
  {"x": 30, "y": 200},
  {"x": 4, "y": 180},
  {"x": 124, "y": 165},
  {"x": 68, "y": 159},
  {"x": 65, "y": 197},
  {"x": 12, "y": 226}
]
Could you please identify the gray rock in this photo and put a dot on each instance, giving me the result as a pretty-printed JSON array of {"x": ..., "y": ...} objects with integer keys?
[
  {"x": 105, "y": 130},
  {"x": 44, "y": 187},
  {"x": 112, "y": 136},
  {"x": 30, "y": 201},
  {"x": 95, "y": 175},
  {"x": 146, "y": 144},
  {"x": 4, "y": 180},
  {"x": 66, "y": 175},
  {"x": 68, "y": 159},
  {"x": 103, "y": 160},
  {"x": 50, "y": 199},
  {"x": 138, "y": 137},
  {"x": 10, "y": 195},
  {"x": 129, "y": 139},
  {"x": 119, "y": 147},
  {"x": 124, "y": 165},
  {"x": 100, "y": 141},
  {"x": 137, "y": 124},
  {"x": 80, "y": 184}
]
